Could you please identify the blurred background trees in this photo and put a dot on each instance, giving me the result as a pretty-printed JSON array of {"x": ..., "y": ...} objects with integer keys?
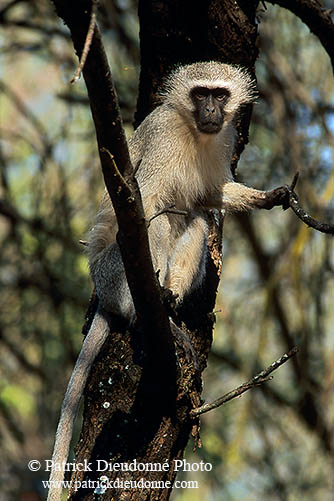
[{"x": 278, "y": 276}]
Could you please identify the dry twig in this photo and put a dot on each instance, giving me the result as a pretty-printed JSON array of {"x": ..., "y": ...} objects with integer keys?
[
  {"x": 259, "y": 379},
  {"x": 302, "y": 214},
  {"x": 168, "y": 210},
  {"x": 88, "y": 42}
]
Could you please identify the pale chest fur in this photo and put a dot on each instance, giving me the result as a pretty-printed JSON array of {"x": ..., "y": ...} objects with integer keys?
[
  {"x": 198, "y": 170},
  {"x": 187, "y": 165}
]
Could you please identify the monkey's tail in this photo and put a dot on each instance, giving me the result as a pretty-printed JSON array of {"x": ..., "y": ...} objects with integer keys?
[{"x": 91, "y": 346}]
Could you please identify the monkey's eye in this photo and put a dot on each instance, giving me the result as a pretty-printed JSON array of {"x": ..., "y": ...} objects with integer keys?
[
  {"x": 221, "y": 94},
  {"x": 199, "y": 93},
  {"x": 221, "y": 97}
]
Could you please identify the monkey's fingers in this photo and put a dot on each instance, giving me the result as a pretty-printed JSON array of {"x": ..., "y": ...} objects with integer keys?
[
  {"x": 278, "y": 196},
  {"x": 286, "y": 198}
]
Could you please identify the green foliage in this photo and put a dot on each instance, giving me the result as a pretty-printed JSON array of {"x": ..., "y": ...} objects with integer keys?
[{"x": 17, "y": 397}]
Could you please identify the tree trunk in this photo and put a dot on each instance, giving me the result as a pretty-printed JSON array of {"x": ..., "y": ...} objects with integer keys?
[{"x": 126, "y": 419}]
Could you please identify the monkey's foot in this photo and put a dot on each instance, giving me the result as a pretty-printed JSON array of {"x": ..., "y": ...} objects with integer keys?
[
  {"x": 183, "y": 341},
  {"x": 169, "y": 300}
]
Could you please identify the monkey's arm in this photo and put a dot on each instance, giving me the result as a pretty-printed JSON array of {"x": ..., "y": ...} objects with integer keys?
[
  {"x": 91, "y": 346},
  {"x": 236, "y": 197}
]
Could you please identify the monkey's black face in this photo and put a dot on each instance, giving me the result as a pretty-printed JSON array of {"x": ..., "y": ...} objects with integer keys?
[{"x": 209, "y": 108}]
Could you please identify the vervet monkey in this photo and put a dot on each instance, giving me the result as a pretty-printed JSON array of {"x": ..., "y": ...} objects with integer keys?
[{"x": 184, "y": 150}]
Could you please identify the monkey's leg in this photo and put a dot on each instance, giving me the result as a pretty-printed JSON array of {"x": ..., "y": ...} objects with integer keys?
[
  {"x": 187, "y": 264},
  {"x": 159, "y": 238},
  {"x": 91, "y": 346},
  {"x": 112, "y": 288},
  {"x": 186, "y": 270}
]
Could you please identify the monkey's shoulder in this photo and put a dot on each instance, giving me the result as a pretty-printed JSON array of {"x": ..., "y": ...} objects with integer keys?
[{"x": 159, "y": 128}]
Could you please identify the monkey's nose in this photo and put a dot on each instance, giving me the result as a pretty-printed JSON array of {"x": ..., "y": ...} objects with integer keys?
[{"x": 210, "y": 109}]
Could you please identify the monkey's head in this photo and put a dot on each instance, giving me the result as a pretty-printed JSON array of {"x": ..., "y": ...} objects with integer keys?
[{"x": 209, "y": 94}]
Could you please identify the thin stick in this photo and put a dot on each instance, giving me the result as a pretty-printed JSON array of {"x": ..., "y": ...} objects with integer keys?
[
  {"x": 121, "y": 182},
  {"x": 259, "y": 379},
  {"x": 168, "y": 210},
  {"x": 88, "y": 42}
]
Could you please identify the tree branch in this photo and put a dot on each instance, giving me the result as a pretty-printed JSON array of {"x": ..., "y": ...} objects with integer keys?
[
  {"x": 292, "y": 201},
  {"x": 306, "y": 218},
  {"x": 88, "y": 42},
  {"x": 167, "y": 210},
  {"x": 260, "y": 378},
  {"x": 316, "y": 17}
]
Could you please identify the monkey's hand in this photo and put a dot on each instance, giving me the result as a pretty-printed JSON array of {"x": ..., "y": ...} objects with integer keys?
[
  {"x": 276, "y": 197},
  {"x": 281, "y": 196}
]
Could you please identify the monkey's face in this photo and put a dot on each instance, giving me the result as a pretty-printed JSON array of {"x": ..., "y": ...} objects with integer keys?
[{"x": 209, "y": 108}]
